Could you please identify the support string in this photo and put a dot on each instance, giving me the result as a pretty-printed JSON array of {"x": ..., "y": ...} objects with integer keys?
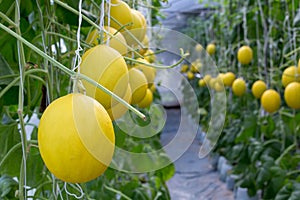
[
  {"x": 77, "y": 85},
  {"x": 78, "y": 188},
  {"x": 108, "y": 19}
]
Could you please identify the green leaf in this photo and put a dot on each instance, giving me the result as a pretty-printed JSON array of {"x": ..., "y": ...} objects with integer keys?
[
  {"x": 9, "y": 137},
  {"x": 276, "y": 182},
  {"x": 4, "y": 71},
  {"x": 268, "y": 126},
  {"x": 236, "y": 151},
  {"x": 9, "y": 49},
  {"x": 263, "y": 176},
  {"x": 8, "y": 187},
  {"x": 289, "y": 192},
  {"x": 11, "y": 96},
  {"x": 244, "y": 135},
  {"x": 120, "y": 136},
  {"x": 255, "y": 150},
  {"x": 129, "y": 187},
  {"x": 65, "y": 16},
  {"x": 166, "y": 173},
  {"x": 247, "y": 181},
  {"x": 248, "y": 130},
  {"x": 35, "y": 167},
  {"x": 5, "y": 5},
  {"x": 141, "y": 194}
]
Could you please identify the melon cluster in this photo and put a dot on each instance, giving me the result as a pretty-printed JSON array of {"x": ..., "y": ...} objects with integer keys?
[{"x": 76, "y": 136}]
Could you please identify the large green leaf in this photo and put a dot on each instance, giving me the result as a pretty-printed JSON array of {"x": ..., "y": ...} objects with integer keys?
[
  {"x": 167, "y": 172},
  {"x": 10, "y": 137},
  {"x": 263, "y": 174},
  {"x": 4, "y": 71},
  {"x": 35, "y": 168},
  {"x": 8, "y": 48},
  {"x": 129, "y": 187},
  {"x": 290, "y": 191},
  {"x": 8, "y": 187},
  {"x": 65, "y": 16},
  {"x": 267, "y": 126},
  {"x": 248, "y": 129}
]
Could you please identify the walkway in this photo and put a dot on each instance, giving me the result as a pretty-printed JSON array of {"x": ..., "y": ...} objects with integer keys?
[{"x": 194, "y": 178}]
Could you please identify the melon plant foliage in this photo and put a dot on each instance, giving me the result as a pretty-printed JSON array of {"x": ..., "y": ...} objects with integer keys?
[
  {"x": 52, "y": 28},
  {"x": 261, "y": 144}
]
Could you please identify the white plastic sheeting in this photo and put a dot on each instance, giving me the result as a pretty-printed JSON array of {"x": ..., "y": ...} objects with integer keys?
[{"x": 177, "y": 12}]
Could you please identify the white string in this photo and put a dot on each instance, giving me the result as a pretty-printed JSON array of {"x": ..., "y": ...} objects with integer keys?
[
  {"x": 270, "y": 43},
  {"x": 239, "y": 45},
  {"x": 108, "y": 20},
  {"x": 294, "y": 33},
  {"x": 245, "y": 22},
  {"x": 77, "y": 85},
  {"x": 59, "y": 192},
  {"x": 102, "y": 20},
  {"x": 74, "y": 195},
  {"x": 259, "y": 60},
  {"x": 102, "y": 15},
  {"x": 77, "y": 51}
]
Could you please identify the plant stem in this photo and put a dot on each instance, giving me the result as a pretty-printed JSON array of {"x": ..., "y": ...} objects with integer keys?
[
  {"x": 48, "y": 85},
  {"x": 271, "y": 141},
  {"x": 286, "y": 151},
  {"x": 40, "y": 187},
  {"x": 293, "y": 172},
  {"x": 3, "y": 16},
  {"x": 22, "y": 64},
  {"x": 12, "y": 83},
  {"x": 68, "y": 38},
  {"x": 292, "y": 52},
  {"x": 117, "y": 192},
  {"x": 183, "y": 56},
  {"x": 266, "y": 39},
  {"x": 71, "y": 72}
]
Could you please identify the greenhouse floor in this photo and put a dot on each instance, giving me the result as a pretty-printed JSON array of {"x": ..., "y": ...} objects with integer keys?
[{"x": 194, "y": 178}]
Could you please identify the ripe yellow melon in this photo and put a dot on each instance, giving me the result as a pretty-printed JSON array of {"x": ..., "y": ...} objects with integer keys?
[
  {"x": 149, "y": 72},
  {"x": 137, "y": 31},
  {"x": 116, "y": 42},
  {"x": 228, "y": 79},
  {"x": 290, "y": 74},
  {"x": 239, "y": 87},
  {"x": 150, "y": 56},
  {"x": 107, "y": 67},
  {"x": 258, "y": 88},
  {"x": 147, "y": 100},
  {"x": 270, "y": 100},
  {"x": 138, "y": 84},
  {"x": 118, "y": 110},
  {"x": 211, "y": 49},
  {"x": 245, "y": 55},
  {"x": 120, "y": 11},
  {"x": 292, "y": 95},
  {"x": 76, "y": 138}
]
